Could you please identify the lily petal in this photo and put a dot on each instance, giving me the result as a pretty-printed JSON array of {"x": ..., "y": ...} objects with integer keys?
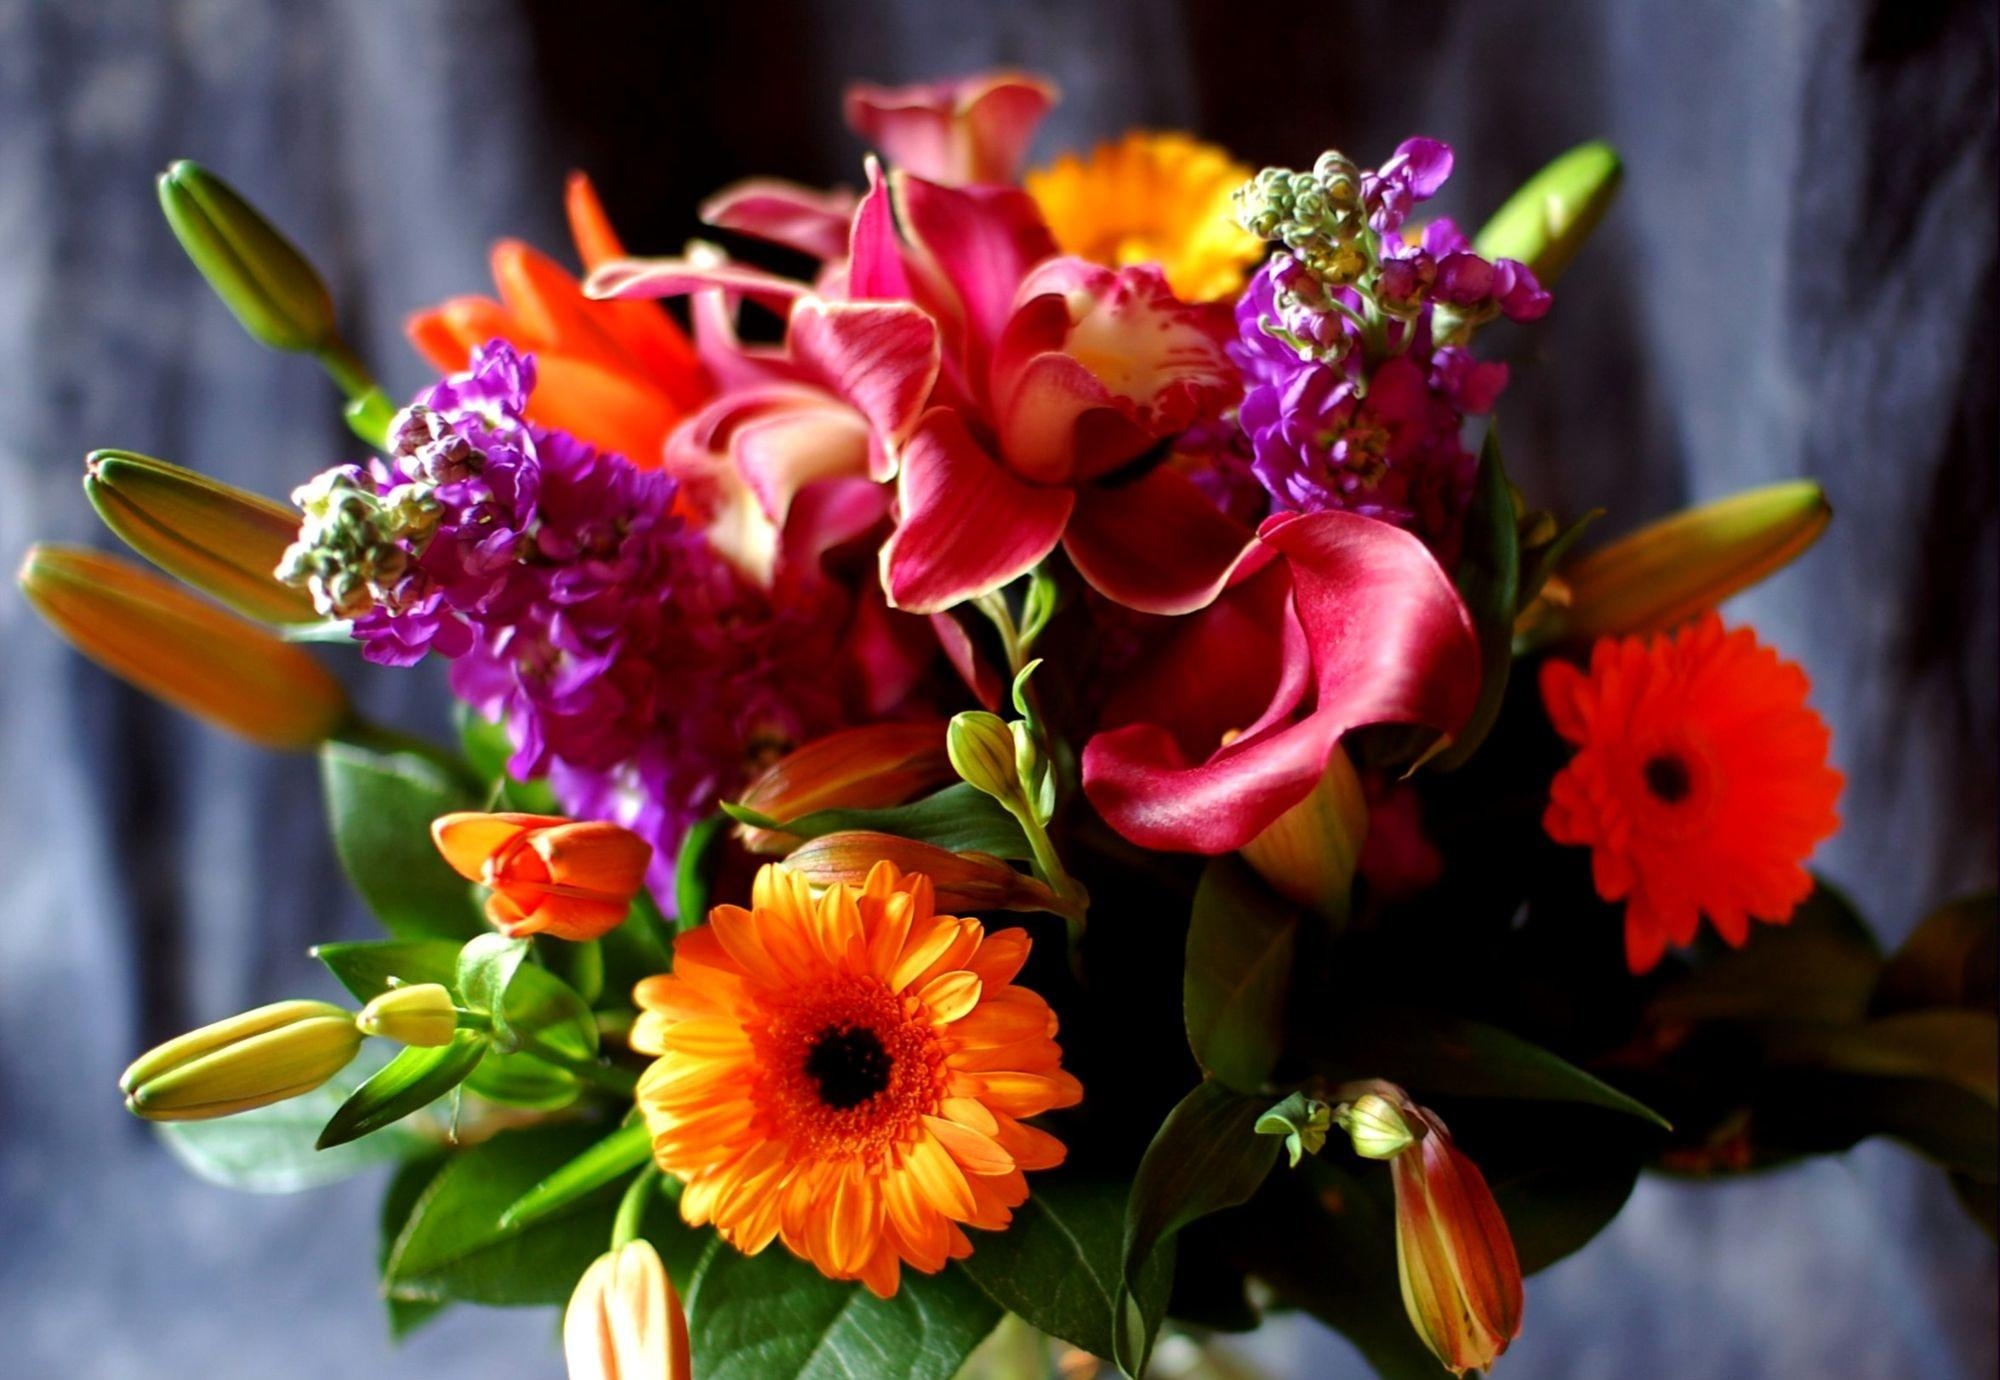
[{"x": 1157, "y": 545}]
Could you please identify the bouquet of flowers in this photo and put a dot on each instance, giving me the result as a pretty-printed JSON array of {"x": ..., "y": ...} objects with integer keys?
[{"x": 1025, "y": 778}]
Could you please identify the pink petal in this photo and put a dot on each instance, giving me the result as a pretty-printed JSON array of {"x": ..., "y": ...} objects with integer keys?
[
  {"x": 803, "y": 218},
  {"x": 882, "y": 358},
  {"x": 975, "y": 129},
  {"x": 967, "y": 526},
  {"x": 983, "y": 241},
  {"x": 1157, "y": 545},
  {"x": 1386, "y": 639},
  {"x": 679, "y": 277},
  {"x": 876, "y": 270}
]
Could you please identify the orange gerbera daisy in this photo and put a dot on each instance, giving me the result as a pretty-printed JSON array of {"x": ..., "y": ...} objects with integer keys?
[
  {"x": 616, "y": 374},
  {"x": 848, "y": 1074},
  {"x": 1700, "y": 785},
  {"x": 1152, "y": 199}
]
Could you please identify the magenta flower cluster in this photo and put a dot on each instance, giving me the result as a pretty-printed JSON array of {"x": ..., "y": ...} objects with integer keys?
[{"x": 1357, "y": 392}]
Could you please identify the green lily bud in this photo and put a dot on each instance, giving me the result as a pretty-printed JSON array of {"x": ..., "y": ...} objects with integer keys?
[
  {"x": 247, "y": 1061},
  {"x": 1309, "y": 853},
  {"x": 224, "y": 541},
  {"x": 1302, "y": 1120},
  {"x": 422, "y": 1014},
  {"x": 1671, "y": 570},
  {"x": 154, "y": 634},
  {"x": 1544, "y": 223},
  {"x": 981, "y": 748},
  {"x": 1377, "y": 1127},
  {"x": 258, "y": 273}
]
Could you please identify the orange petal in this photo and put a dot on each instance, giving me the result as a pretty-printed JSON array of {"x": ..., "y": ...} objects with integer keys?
[
  {"x": 467, "y": 838},
  {"x": 950, "y": 995},
  {"x": 975, "y": 1152},
  {"x": 644, "y": 330},
  {"x": 605, "y": 859},
  {"x": 432, "y": 335}
]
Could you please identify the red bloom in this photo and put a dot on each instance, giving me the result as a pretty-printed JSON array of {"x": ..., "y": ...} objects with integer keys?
[
  {"x": 1227, "y": 721},
  {"x": 1700, "y": 785}
]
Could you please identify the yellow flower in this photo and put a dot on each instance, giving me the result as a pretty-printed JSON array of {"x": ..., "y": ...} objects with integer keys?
[
  {"x": 1152, "y": 198},
  {"x": 849, "y": 1073}
]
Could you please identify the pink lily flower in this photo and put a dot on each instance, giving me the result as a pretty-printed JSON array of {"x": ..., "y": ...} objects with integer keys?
[
  {"x": 1045, "y": 390},
  {"x": 1335, "y": 621},
  {"x": 974, "y": 129}
]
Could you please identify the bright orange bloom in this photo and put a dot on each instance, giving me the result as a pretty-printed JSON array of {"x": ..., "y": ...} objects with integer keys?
[
  {"x": 1152, "y": 199},
  {"x": 624, "y": 1321},
  {"x": 849, "y": 1074},
  {"x": 1701, "y": 783},
  {"x": 549, "y": 875},
  {"x": 619, "y": 375}
]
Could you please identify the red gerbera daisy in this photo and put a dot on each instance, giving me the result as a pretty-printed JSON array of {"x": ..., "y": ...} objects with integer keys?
[{"x": 1700, "y": 783}]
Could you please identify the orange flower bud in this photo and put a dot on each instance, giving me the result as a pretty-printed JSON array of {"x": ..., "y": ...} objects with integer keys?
[
  {"x": 964, "y": 881},
  {"x": 175, "y": 647},
  {"x": 549, "y": 875},
  {"x": 1454, "y": 1258},
  {"x": 624, "y": 1321},
  {"x": 863, "y": 768}
]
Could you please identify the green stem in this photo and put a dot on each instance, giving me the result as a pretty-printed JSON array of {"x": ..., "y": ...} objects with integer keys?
[
  {"x": 631, "y": 1217},
  {"x": 608, "y": 1077},
  {"x": 337, "y": 357}
]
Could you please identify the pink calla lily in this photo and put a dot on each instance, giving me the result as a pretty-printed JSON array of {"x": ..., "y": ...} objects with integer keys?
[{"x": 1335, "y": 622}]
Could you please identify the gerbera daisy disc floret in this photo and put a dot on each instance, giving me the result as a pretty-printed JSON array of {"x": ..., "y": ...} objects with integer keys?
[{"x": 848, "y": 1072}]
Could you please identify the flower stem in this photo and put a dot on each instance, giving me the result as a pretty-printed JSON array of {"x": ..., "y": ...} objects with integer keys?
[{"x": 632, "y": 1207}]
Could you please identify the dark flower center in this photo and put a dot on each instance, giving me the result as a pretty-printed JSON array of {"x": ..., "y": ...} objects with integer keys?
[
  {"x": 849, "y": 1065},
  {"x": 1667, "y": 778}
]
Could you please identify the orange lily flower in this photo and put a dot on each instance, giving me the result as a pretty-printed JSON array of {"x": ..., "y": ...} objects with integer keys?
[
  {"x": 619, "y": 375},
  {"x": 624, "y": 1322},
  {"x": 571, "y": 879}
]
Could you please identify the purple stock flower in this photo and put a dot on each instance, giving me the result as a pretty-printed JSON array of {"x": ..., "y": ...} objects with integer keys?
[
  {"x": 632, "y": 666},
  {"x": 1357, "y": 391}
]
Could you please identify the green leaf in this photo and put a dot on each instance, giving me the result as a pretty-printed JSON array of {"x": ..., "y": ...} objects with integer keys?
[
  {"x": 1445, "y": 1056},
  {"x": 365, "y": 967},
  {"x": 610, "y": 1159},
  {"x": 1239, "y": 968},
  {"x": 522, "y": 1080},
  {"x": 960, "y": 818},
  {"x": 381, "y": 805},
  {"x": 1821, "y": 967},
  {"x": 1951, "y": 959},
  {"x": 1059, "y": 1264},
  {"x": 694, "y": 868},
  {"x": 526, "y": 1003},
  {"x": 272, "y": 1150},
  {"x": 771, "y": 1316},
  {"x": 409, "y": 1082},
  {"x": 406, "y": 1187},
  {"x": 1488, "y": 579},
  {"x": 1958, "y": 1048},
  {"x": 1205, "y": 1157},
  {"x": 453, "y": 1246},
  {"x": 1553, "y": 1210},
  {"x": 1548, "y": 219}
]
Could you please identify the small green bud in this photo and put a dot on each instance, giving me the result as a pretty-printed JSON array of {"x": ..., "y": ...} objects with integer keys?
[
  {"x": 222, "y": 540},
  {"x": 1377, "y": 1127},
  {"x": 258, "y": 273},
  {"x": 422, "y": 1014},
  {"x": 982, "y": 752},
  {"x": 252, "y": 1060}
]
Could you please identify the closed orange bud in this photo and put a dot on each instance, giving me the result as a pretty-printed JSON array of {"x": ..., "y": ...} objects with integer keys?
[
  {"x": 573, "y": 879},
  {"x": 863, "y": 768},
  {"x": 1454, "y": 1258},
  {"x": 624, "y": 1321},
  {"x": 175, "y": 647},
  {"x": 964, "y": 881}
]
